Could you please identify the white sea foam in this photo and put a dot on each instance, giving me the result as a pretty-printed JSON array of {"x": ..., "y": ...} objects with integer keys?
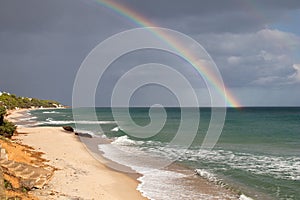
[
  {"x": 85, "y": 131},
  {"x": 151, "y": 177},
  {"x": 28, "y": 118},
  {"x": 207, "y": 175},
  {"x": 104, "y": 136},
  {"x": 170, "y": 189},
  {"x": 50, "y": 112},
  {"x": 244, "y": 197},
  {"x": 116, "y": 129},
  {"x": 276, "y": 166},
  {"x": 125, "y": 141},
  {"x": 161, "y": 184},
  {"x": 156, "y": 183},
  {"x": 50, "y": 121}
]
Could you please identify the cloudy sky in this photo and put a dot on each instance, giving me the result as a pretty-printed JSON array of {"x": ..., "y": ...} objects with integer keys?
[{"x": 254, "y": 43}]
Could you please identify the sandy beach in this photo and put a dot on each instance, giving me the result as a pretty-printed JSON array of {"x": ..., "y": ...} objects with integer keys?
[{"x": 77, "y": 175}]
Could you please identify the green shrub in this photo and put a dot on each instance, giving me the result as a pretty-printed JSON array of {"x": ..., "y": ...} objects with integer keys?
[
  {"x": 11, "y": 101},
  {"x": 2, "y": 110},
  {"x": 7, "y": 129},
  {"x": 2, "y": 113},
  {"x": 7, "y": 185}
]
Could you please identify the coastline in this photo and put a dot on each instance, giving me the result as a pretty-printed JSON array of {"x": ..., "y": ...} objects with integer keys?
[{"x": 78, "y": 173}]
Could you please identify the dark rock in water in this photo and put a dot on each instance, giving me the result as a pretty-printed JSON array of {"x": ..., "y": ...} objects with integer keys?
[
  {"x": 68, "y": 128},
  {"x": 84, "y": 135}
]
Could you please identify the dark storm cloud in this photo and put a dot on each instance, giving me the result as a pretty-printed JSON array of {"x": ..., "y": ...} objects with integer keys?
[
  {"x": 30, "y": 15},
  {"x": 43, "y": 42},
  {"x": 179, "y": 8},
  {"x": 54, "y": 16},
  {"x": 194, "y": 16}
]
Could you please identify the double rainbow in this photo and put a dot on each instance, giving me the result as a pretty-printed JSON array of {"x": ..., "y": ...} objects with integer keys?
[{"x": 141, "y": 21}]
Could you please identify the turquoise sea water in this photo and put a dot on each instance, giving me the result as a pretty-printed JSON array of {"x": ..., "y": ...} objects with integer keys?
[{"x": 257, "y": 154}]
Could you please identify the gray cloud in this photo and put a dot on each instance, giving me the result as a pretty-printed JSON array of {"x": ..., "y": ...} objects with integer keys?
[
  {"x": 264, "y": 57},
  {"x": 171, "y": 9},
  {"x": 32, "y": 15},
  {"x": 194, "y": 16},
  {"x": 43, "y": 42}
]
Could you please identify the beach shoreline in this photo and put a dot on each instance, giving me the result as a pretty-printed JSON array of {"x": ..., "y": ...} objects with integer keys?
[
  {"x": 174, "y": 181},
  {"x": 79, "y": 173}
]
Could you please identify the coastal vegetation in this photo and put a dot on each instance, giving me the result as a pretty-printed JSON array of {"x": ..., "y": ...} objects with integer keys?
[
  {"x": 11, "y": 101},
  {"x": 7, "y": 128}
]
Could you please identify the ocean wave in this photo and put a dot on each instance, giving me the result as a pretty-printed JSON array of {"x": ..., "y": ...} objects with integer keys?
[
  {"x": 116, "y": 129},
  {"x": 172, "y": 184},
  {"x": 28, "y": 118},
  {"x": 85, "y": 131},
  {"x": 50, "y": 121},
  {"x": 50, "y": 112},
  {"x": 104, "y": 136},
  {"x": 244, "y": 197},
  {"x": 151, "y": 177},
  {"x": 207, "y": 175},
  {"x": 125, "y": 141},
  {"x": 279, "y": 167},
  {"x": 170, "y": 188}
]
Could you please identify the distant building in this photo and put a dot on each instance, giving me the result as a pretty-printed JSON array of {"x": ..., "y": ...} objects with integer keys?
[{"x": 4, "y": 93}]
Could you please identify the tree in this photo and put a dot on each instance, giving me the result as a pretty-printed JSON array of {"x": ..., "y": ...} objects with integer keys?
[
  {"x": 2, "y": 113},
  {"x": 7, "y": 129}
]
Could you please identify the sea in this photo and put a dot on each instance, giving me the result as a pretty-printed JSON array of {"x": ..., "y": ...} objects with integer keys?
[{"x": 257, "y": 155}]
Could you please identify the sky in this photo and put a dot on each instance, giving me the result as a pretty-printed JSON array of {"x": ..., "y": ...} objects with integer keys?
[{"x": 254, "y": 43}]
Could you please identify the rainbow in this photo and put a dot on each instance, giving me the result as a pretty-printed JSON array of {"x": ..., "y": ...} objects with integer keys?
[{"x": 141, "y": 21}]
